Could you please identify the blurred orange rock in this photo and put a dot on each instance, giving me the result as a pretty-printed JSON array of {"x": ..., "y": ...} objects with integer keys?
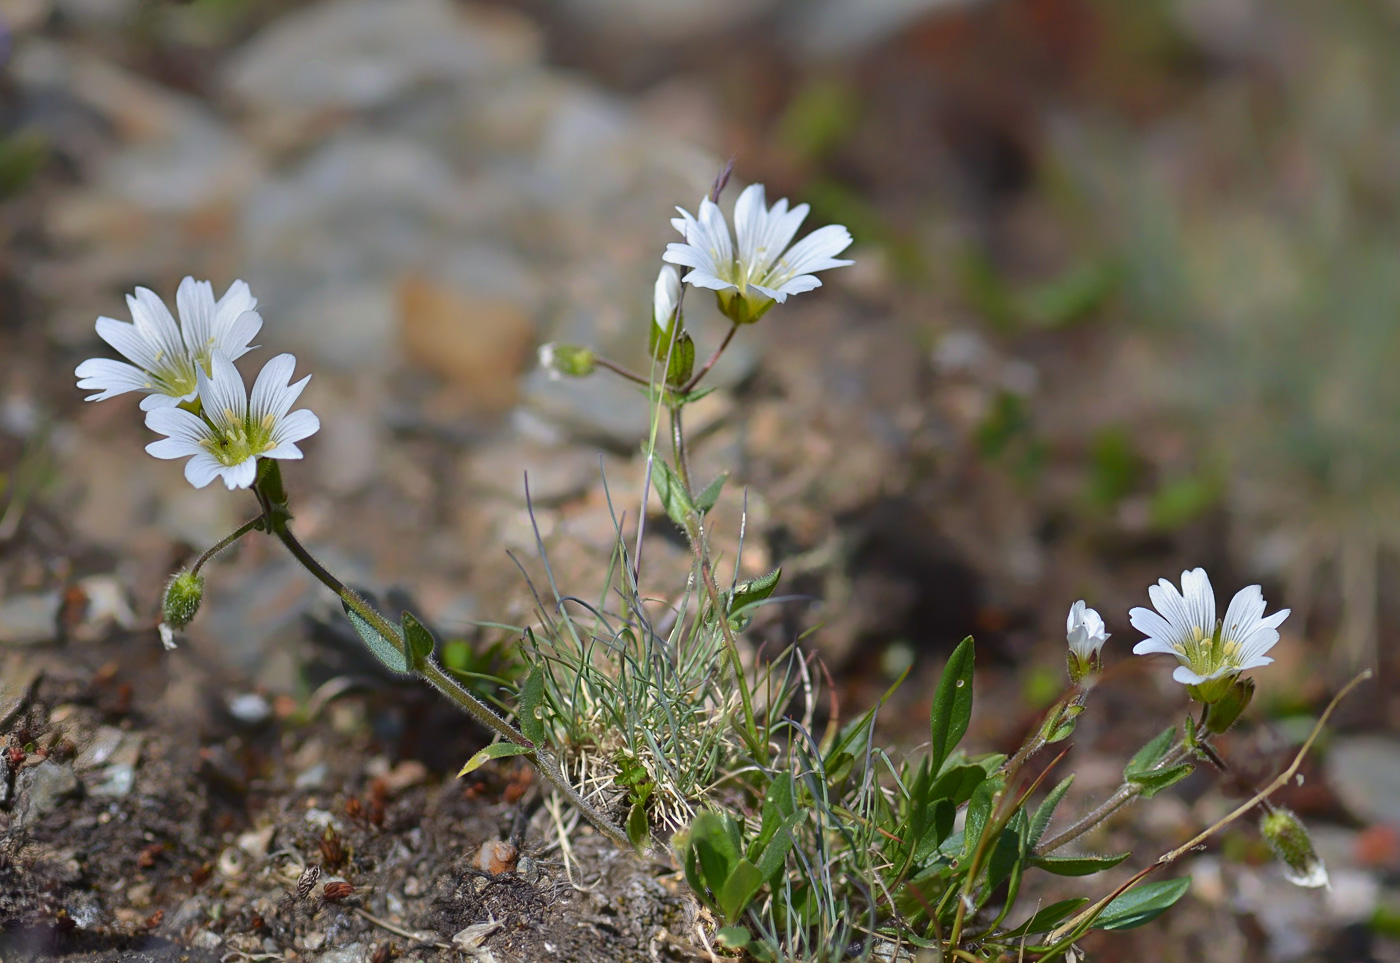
[{"x": 479, "y": 343}]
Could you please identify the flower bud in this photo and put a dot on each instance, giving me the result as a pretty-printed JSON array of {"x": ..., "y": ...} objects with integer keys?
[
  {"x": 682, "y": 361},
  {"x": 1224, "y": 712},
  {"x": 567, "y": 359},
  {"x": 182, "y": 597},
  {"x": 1284, "y": 833}
]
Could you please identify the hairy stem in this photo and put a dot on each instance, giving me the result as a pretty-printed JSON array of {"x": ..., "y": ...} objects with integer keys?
[
  {"x": 226, "y": 541},
  {"x": 1123, "y": 795},
  {"x": 429, "y": 671}
]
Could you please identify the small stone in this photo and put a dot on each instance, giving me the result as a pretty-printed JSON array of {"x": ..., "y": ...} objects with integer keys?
[
  {"x": 1365, "y": 772},
  {"x": 405, "y": 775},
  {"x": 107, "y": 605},
  {"x": 250, "y": 708},
  {"x": 311, "y": 777},
  {"x": 351, "y": 953},
  {"x": 496, "y": 856},
  {"x": 39, "y": 790},
  {"x": 30, "y": 619},
  {"x": 17, "y": 681},
  {"x": 256, "y": 843}
]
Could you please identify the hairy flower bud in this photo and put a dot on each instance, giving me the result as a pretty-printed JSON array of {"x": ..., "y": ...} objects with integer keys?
[
  {"x": 182, "y": 597},
  {"x": 567, "y": 359},
  {"x": 1288, "y": 839}
]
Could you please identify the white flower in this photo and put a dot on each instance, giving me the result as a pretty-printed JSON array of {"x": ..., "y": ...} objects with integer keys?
[
  {"x": 665, "y": 298},
  {"x": 235, "y": 431},
  {"x": 1084, "y": 630},
  {"x": 1184, "y": 625},
  {"x": 164, "y": 356},
  {"x": 764, "y": 270}
]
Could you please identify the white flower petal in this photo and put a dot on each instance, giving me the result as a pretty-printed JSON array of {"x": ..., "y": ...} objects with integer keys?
[
  {"x": 222, "y": 392},
  {"x": 178, "y": 423},
  {"x": 128, "y": 342},
  {"x": 1152, "y": 625},
  {"x": 156, "y": 400},
  {"x": 241, "y": 475},
  {"x": 169, "y": 448},
  {"x": 1199, "y": 598},
  {"x": 799, "y": 285},
  {"x": 236, "y": 338},
  {"x": 195, "y": 302},
  {"x": 202, "y": 469},
  {"x": 665, "y": 295},
  {"x": 287, "y": 451},
  {"x": 237, "y": 300},
  {"x": 816, "y": 252},
  {"x": 1185, "y": 676},
  {"x": 1155, "y": 646},
  {"x": 1167, "y": 600},
  {"x": 704, "y": 279},
  {"x": 110, "y": 378},
  {"x": 271, "y": 395},
  {"x": 155, "y": 325},
  {"x": 750, "y": 221},
  {"x": 294, "y": 427},
  {"x": 1242, "y": 615}
]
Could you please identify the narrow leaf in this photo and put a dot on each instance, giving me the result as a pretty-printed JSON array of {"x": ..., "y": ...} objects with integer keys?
[
  {"x": 531, "y": 701},
  {"x": 1046, "y": 810},
  {"x": 1142, "y": 904},
  {"x": 705, "y": 500},
  {"x": 1155, "y": 780},
  {"x": 1152, "y": 753},
  {"x": 388, "y": 651},
  {"x": 672, "y": 493},
  {"x": 1078, "y": 865},
  {"x": 958, "y": 784},
  {"x": 1048, "y": 918},
  {"x": 755, "y": 590},
  {"x": 952, "y": 703},
  {"x": 497, "y": 750}
]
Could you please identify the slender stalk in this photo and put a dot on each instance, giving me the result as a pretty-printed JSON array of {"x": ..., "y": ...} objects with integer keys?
[
  {"x": 428, "y": 670},
  {"x": 627, "y": 373},
  {"x": 705, "y": 368},
  {"x": 226, "y": 541},
  {"x": 1123, "y": 795}
]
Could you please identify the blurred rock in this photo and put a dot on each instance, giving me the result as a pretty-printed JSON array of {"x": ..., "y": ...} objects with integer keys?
[
  {"x": 666, "y": 21},
  {"x": 97, "y": 13},
  {"x": 476, "y": 340},
  {"x": 39, "y": 789},
  {"x": 555, "y": 475},
  {"x": 29, "y": 619},
  {"x": 20, "y": 16},
  {"x": 347, "y": 56},
  {"x": 18, "y": 676},
  {"x": 825, "y": 29},
  {"x": 1364, "y": 771}
]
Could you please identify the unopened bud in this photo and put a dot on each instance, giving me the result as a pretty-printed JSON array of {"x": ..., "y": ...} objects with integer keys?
[
  {"x": 682, "y": 361},
  {"x": 1288, "y": 839},
  {"x": 1224, "y": 712},
  {"x": 567, "y": 359},
  {"x": 182, "y": 598}
]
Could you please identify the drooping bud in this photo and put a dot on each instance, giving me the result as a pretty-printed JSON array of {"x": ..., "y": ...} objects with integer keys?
[
  {"x": 572, "y": 360},
  {"x": 1284, "y": 833},
  {"x": 182, "y": 597},
  {"x": 1224, "y": 712}
]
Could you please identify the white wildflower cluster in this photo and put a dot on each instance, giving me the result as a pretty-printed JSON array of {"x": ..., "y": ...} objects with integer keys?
[
  {"x": 193, "y": 393},
  {"x": 1211, "y": 653}
]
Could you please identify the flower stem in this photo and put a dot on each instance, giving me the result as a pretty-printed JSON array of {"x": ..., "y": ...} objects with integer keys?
[
  {"x": 1123, "y": 795},
  {"x": 627, "y": 373},
  {"x": 226, "y": 541},
  {"x": 276, "y": 516},
  {"x": 705, "y": 368}
]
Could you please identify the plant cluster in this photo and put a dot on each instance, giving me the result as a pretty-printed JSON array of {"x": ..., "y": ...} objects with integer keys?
[{"x": 802, "y": 836}]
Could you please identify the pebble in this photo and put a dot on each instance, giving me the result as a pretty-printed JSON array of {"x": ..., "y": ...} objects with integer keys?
[
  {"x": 257, "y": 842},
  {"x": 496, "y": 856},
  {"x": 250, "y": 708},
  {"x": 39, "y": 790},
  {"x": 18, "y": 677},
  {"x": 30, "y": 619},
  {"x": 351, "y": 953},
  {"x": 1364, "y": 771}
]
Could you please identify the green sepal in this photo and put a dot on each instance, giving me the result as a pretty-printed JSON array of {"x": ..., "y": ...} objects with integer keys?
[
  {"x": 388, "y": 651},
  {"x": 1155, "y": 780},
  {"x": 419, "y": 642}
]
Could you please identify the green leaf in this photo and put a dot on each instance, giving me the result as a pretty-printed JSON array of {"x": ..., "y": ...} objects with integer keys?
[
  {"x": 755, "y": 590},
  {"x": 958, "y": 784},
  {"x": 1010, "y": 850},
  {"x": 1046, "y": 810},
  {"x": 715, "y": 847},
  {"x": 1048, "y": 918},
  {"x": 1151, "y": 754},
  {"x": 638, "y": 829},
  {"x": 1078, "y": 865},
  {"x": 979, "y": 810},
  {"x": 952, "y": 703},
  {"x": 674, "y": 498},
  {"x": 388, "y": 651},
  {"x": 497, "y": 750},
  {"x": 420, "y": 641},
  {"x": 531, "y": 701},
  {"x": 1142, "y": 904},
  {"x": 733, "y": 937},
  {"x": 1156, "y": 780},
  {"x": 744, "y": 881},
  {"x": 705, "y": 500},
  {"x": 770, "y": 864}
]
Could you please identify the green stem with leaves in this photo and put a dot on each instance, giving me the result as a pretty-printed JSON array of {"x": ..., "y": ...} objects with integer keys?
[{"x": 274, "y": 519}]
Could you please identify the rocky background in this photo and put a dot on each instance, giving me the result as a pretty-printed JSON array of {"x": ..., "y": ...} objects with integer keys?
[{"x": 1122, "y": 304}]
